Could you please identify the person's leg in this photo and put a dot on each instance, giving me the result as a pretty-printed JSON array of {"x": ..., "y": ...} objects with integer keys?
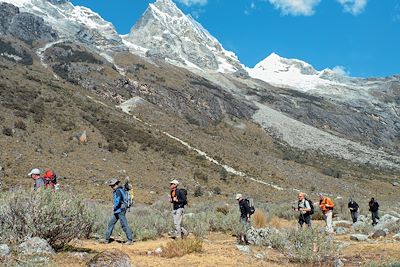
[
  {"x": 125, "y": 226},
  {"x": 177, "y": 214},
  {"x": 355, "y": 217},
  {"x": 110, "y": 227},
  {"x": 329, "y": 227},
  {"x": 183, "y": 230},
  {"x": 301, "y": 221},
  {"x": 307, "y": 219}
]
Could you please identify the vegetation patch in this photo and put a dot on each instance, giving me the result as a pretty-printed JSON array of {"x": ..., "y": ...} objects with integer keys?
[{"x": 178, "y": 248}]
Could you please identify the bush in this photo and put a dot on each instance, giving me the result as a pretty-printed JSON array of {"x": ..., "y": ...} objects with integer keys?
[
  {"x": 178, "y": 248},
  {"x": 309, "y": 246},
  {"x": 259, "y": 219},
  {"x": 217, "y": 190},
  {"x": 198, "y": 192},
  {"x": 20, "y": 125},
  {"x": 57, "y": 217},
  {"x": 199, "y": 175},
  {"x": 8, "y": 131}
]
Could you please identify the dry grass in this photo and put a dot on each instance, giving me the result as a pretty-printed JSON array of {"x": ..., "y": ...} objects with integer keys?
[
  {"x": 178, "y": 248},
  {"x": 279, "y": 223},
  {"x": 259, "y": 219}
]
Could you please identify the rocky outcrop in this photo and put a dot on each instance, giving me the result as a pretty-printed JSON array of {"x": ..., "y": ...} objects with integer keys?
[
  {"x": 359, "y": 237},
  {"x": 24, "y": 26}
]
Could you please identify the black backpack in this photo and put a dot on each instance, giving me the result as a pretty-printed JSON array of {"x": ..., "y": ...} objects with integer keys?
[
  {"x": 311, "y": 212},
  {"x": 184, "y": 191},
  {"x": 250, "y": 202}
]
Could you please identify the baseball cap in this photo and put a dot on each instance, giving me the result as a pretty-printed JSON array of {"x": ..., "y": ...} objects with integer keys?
[
  {"x": 34, "y": 171},
  {"x": 238, "y": 196},
  {"x": 113, "y": 182},
  {"x": 174, "y": 182}
]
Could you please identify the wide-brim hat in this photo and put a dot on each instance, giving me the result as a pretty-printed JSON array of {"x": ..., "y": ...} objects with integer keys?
[
  {"x": 34, "y": 171},
  {"x": 113, "y": 182},
  {"x": 174, "y": 182},
  {"x": 238, "y": 196}
]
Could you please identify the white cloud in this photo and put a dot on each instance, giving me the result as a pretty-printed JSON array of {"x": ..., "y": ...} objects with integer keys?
[
  {"x": 354, "y": 7},
  {"x": 341, "y": 71},
  {"x": 296, "y": 7},
  {"x": 194, "y": 2}
]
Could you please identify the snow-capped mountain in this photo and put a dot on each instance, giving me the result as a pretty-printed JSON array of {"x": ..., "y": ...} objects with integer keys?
[
  {"x": 165, "y": 32},
  {"x": 74, "y": 23}
]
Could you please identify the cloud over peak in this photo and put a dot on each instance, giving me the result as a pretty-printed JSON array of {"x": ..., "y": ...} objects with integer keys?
[
  {"x": 193, "y": 2},
  {"x": 295, "y": 7}
]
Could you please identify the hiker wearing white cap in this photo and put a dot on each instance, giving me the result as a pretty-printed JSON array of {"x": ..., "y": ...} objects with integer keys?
[
  {"x": 119, "y": 213},
  {"x": 38, "y": 181},
  {"x": 178, "y": 198}
]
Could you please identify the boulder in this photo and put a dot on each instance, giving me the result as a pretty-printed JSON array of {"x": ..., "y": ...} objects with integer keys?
[
  {"x": 244, "y": 249},
  {"x": 378, "y": 234},
  {"x": 395, "y": 184},
  {"x": 362, "y": 218},
  {"x": 338, "y": 263},
  {"x": 386, "y": 221},
  {"x": 397, "y": 237},
  {"x": 4, "y": 250},
  {"x": 35, "y": 245},
  {"x": 110, "y": 258},
  {"x": 341, "y": 230},
  {"x": 359, "y": 237},
  {"x": 358, "y": 225}
]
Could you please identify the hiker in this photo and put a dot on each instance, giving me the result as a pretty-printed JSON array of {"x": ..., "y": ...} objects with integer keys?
[
  {"x": 178, "y": 199},
  {"x": 119, "y": 213},
  {"x": 304, "y": 207},
  {"x": 326, "y": 205},
  {"x": 245, "y": 214},
  {"x": 353, "y": 207},
  {"x": 38, "y": 181},
  {"x": 373, "y": 208}
]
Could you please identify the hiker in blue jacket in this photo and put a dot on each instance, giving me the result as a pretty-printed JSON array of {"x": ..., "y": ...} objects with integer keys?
[{"x": 119, "y": 213}]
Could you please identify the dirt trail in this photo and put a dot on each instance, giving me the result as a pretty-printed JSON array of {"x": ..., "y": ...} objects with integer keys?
[{"x": 220, "y": 250}]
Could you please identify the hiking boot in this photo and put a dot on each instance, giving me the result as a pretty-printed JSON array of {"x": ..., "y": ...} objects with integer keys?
[{"x": 129, "y": 242}]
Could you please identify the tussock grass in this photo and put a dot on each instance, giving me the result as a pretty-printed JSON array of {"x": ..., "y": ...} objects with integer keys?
[
  {"x": 259, "y": 219},
  {"x": 178, "y": 248}
]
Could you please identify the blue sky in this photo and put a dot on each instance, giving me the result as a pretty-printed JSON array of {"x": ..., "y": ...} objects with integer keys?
[{"x": 360, "y": 36}]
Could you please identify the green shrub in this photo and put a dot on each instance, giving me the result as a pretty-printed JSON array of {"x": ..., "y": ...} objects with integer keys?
[
  {"x": 57, "y": 217},
  {"x": 8, "y": 131}
]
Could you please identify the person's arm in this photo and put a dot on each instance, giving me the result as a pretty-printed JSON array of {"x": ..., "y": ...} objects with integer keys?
[
  {"x": 181, "y": 196},
  {"x": 308, "y": 207},
  {"x": 247, "y": 208},
  {"x": 117, "y": 200}
]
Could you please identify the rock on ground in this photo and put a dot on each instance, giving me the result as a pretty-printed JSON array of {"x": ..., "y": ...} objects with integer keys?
[
  {"x": 359, "y": 237},
  {"x": 4, "y": 250},
  {"x": 397, "y": 237},
  {"x": 342, "y": 223},
  {"x": 110, "y": 258},
  {"x": 340, "y": 230},
  {"x": 385, "y": 221},
  {"x": 245, "y": 249},
  {"x": 35, "y": 245},
  {"x": 338, "y": 263},
  {"x": 378, "y": 233}
]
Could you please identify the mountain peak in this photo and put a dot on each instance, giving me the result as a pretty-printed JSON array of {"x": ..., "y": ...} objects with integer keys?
[{"x": 167, "y": 33}]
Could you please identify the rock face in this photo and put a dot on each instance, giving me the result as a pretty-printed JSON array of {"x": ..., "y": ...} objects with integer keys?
[
  {"x": 24, "y": 26},
  {"x": 35, "y": 245},
  {"x": 166, "y": 33},
  {"x": 359, "y": 237},
  {"x": 110, "y": 258}
]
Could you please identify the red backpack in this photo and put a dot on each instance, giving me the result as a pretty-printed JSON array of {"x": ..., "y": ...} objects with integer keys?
[{"x": 50, "y": 179}]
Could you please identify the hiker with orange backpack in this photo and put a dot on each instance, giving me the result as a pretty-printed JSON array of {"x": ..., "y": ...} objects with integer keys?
[{"x": 326, "y": 205}]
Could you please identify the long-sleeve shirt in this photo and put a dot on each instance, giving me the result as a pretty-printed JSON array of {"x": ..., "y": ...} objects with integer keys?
[
  {"x": 244, "y": 209},
  {"x": 118, "y": 199},
  {"x": 326, "y": 204}
]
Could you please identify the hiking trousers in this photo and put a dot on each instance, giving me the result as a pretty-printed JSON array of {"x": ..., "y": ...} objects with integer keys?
[
  {"x": 374, "y": 217},
  {"x": 177, "y": 215},
  {"x": 328, "y": 221},
  {"x": 354, "y": 216},
  {"x": 305, "y": 218},
  {"x": 124, "y": 224}
]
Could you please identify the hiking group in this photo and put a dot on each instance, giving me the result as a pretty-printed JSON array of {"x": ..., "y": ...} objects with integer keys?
[{"x": 123, "y": 201}]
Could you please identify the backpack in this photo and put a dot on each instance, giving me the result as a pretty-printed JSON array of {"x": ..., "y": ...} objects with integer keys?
[
  {"x": 250, "y": 202},
  {"x": 50, "y": 178},
  {"x": 311, "y": 212},
  {"x": 184, "y": 191},
  {"x": 127, "y": 196}
]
